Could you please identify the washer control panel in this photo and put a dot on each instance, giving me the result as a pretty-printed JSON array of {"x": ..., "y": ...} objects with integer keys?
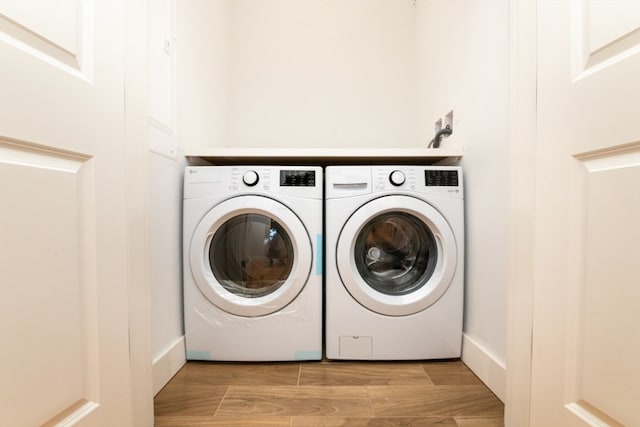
[
  {"x": 443, "y": 180},
  {"x": 250, "y": 178},
  {"x": 394, "y": 178},
  {"x": 245, "y": 178},
  {"x": 295, "y": 181},
  {"x": 297, "y": 178},
  {"x": 397, "y": 178},
  {"x": 440, "y": 178}
]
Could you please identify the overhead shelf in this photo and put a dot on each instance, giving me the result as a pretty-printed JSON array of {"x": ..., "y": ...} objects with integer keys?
[{"x": 325, "y": 156}]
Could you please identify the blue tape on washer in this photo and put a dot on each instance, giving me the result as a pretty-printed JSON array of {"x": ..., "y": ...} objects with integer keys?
[
  {"x": 308, "y": 355},
  {"x": 198, "y": 355},
  {"x": 319, "y": 255}
]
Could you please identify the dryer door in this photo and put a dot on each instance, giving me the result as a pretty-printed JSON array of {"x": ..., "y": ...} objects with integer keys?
[
  {"x": 250, "y": 255},
  {"x": 396, "y": 255}
]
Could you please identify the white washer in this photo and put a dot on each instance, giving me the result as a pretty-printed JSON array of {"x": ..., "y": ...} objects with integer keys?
[
  {"x": 395, "y": 262},
  {"x": 252, "y": 247}
]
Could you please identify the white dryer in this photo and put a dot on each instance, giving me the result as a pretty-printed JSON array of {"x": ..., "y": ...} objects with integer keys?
[
  {"x": 252, "y": 243},
  {"x": 395, "y": 262}
]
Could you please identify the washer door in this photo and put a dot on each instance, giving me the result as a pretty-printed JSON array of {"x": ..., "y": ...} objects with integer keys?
[
  {"x": 250, "y": 256},
  {"x": 396, "y": 255}
]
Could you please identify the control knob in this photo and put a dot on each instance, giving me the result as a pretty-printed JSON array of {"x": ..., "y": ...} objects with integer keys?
[
  {"x": 397, "y": 178},
  {"x": 250, "y": 178}
]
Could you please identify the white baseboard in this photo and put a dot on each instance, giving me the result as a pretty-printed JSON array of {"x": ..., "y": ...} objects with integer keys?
[
  {"x": 481, "y": 362},
  {"x": 167, "y": 364},
  {"x": 490, "y": 371}
]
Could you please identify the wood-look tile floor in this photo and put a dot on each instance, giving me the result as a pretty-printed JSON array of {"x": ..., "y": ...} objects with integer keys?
[{"x": 327, "y": 393}]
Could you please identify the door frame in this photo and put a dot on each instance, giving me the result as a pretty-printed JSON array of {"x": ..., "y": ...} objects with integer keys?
[
  {"x": 137, "y": 214},
  {"x": 522, "y": 176}
]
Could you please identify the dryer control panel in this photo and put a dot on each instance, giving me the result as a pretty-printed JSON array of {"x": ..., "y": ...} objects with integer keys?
[
  {"x": 297, "y": 178},
  {"x": 442, "y": 180},
  {"x": 298, "y": 181},
  {"x": 355, "y": 181}
]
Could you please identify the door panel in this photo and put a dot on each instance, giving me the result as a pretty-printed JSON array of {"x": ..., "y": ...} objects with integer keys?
[
  {"x": 50, "y": 300},
  {"x": 596, "y": 41},
  {"x": 602, "y": 373},
  {"x": 585, "y": 347},
  {"x": 34, "y": 28},
  {"x": 42, "y": 20},
  {"x": 63, "y": 242}
]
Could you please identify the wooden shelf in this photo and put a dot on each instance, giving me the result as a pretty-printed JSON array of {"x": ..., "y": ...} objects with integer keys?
[{"x": 325, "y": 156}]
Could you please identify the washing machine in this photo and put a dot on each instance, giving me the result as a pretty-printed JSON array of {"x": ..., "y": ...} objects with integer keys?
[
  {"x": 252, "y": 243},
  {"x": 394, "y": 262}
]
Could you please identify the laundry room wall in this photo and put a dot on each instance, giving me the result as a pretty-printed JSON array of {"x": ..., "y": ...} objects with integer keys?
[
  {"x": 322, "y": 73},
  {"x": 166, "y": 165},
  {"x": 464, "y": 68},
  {"x": 362, "y": 73},
  {"x": 166, "y": 267},
  {"x": 290, "y": 73},
  {"x": 204, "y": 72},
  {"x": 188, "y": 104},
  {"x": 487, "y": 170}
]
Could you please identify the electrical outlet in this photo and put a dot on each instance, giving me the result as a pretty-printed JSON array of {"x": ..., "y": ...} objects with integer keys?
[{"x": 448, "y": 120}]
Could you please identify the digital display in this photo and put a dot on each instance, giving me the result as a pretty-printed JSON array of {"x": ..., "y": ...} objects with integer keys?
[
  {"x": 297, "y": 178},
  {"x": 441, "y": 178}
]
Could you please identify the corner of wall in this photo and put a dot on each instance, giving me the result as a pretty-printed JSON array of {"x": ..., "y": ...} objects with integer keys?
[
  {"x": 486, "y": 367},
  {"x": 166, "y": 266},
  {"x": 168, "y": 363}
]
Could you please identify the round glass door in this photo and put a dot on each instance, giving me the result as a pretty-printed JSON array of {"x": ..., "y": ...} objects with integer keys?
[
  {"x": 396, "y": 261},
  {"x": 250, "y": 256},
  {"x": 395, "y": 253}
]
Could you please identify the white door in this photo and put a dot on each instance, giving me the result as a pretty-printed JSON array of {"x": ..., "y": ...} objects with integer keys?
[
  {"x": 586, "y": 314},
  {"x": 64, "y": 320}
]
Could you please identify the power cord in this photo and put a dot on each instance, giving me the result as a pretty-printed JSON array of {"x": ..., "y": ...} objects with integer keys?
[{"x": 435, "y": 142}]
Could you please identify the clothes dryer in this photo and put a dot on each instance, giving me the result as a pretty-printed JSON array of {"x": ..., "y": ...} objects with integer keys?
[
  {"x": 252, "y": 243},
  {"x": 395, "y": 262}
]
